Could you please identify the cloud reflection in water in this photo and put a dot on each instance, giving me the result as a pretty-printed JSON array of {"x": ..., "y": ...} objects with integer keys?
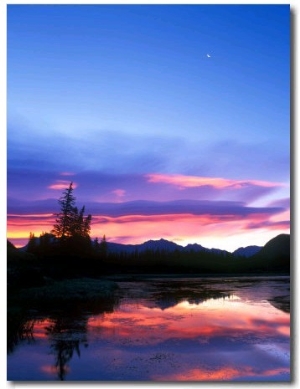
[{"x": 220, "y": 339}]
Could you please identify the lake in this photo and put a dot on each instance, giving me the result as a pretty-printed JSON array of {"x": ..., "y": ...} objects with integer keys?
[{"x": 163, "y": 329}]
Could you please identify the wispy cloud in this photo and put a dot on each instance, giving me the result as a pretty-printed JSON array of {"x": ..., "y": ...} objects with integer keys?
[
  {"x": 272, "y": 225},
  {"x": 119, "y": 193},
  {"x": 67, "y": 174},
  {"x": 62, "y": 185},
  {"x": 113, "y": 209},
  {"x": 182, "y": 181}
]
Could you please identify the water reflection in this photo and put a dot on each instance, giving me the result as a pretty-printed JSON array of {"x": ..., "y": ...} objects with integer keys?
[
  {"x": 175, "y": 291},
  {"x": 181, "y": 330},
  {"x": 220, "y": 339},
  {"x": 65, "y": 332},
  {"x": 19, "y": 329},
  {"x": 65, "y": 335}
]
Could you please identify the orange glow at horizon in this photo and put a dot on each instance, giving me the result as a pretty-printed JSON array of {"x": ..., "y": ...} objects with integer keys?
[
  {"x": 226, "y": 230},
  {"x": 180, "y": 228},
  {"x": 20, "y": 226}
]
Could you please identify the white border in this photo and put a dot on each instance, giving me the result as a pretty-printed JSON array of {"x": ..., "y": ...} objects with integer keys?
[{"x": 296, "y": 306}]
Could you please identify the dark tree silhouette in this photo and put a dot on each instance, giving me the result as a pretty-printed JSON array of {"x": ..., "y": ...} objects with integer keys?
[
  {"x": 64, "y": 226},
  {"x": 72, "y": 228},
  {"x": 103, "y": 247},
  {"x": 32, "y": 243}
]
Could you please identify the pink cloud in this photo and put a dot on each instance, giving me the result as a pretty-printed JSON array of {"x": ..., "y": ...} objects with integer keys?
[
  {"x": 67, "y": 174},
  {"x": 119, "y": 193},
  {"x": 62, "y": 185},
  {"x": 183, "y": 182},
  {"x": 37, "y": 215},
  {"x": 205, "y": 219}
]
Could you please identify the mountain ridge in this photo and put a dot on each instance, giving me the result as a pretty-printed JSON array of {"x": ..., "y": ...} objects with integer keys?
[
  {"x": 166, "y": 245},
  {"x": 170, "y": 246},
  {"x": 157, "y": 257}
]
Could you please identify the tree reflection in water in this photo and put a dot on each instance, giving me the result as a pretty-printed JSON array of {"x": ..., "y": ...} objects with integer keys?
[
  {"x": 65, "y": 335},
  {"x": 19, "y": 328},
  {"x": 66, "y": 329}
]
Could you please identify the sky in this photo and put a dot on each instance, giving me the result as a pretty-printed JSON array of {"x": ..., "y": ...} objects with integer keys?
[{"x": 172, "y": 121}]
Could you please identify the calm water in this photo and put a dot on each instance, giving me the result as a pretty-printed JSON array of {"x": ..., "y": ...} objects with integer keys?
[{"x": 180, "y": 329}]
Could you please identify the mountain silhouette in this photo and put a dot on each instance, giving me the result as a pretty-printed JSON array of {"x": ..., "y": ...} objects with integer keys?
[
  {"x": 248, "y": 251},
  {"x": 163, "y": 256},
  {"x": 275, "y": 255},
  {"x": 275, "y": 247},
  {"x": 159, "y": 245}
]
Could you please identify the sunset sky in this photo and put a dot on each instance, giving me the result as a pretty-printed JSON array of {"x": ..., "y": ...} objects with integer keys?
[{"x": 173, "y": 121}]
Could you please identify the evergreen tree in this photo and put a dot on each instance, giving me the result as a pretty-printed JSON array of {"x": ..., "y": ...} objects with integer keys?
[
  {"x": 87, "y": 226},
  {"x": 63, "y": 228},
  {"x": 96, "y": 244},
  {"x": 72, "y": 228}
]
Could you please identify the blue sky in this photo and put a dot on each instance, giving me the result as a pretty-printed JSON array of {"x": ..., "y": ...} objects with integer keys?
[{"x": 138, "y": 102}]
